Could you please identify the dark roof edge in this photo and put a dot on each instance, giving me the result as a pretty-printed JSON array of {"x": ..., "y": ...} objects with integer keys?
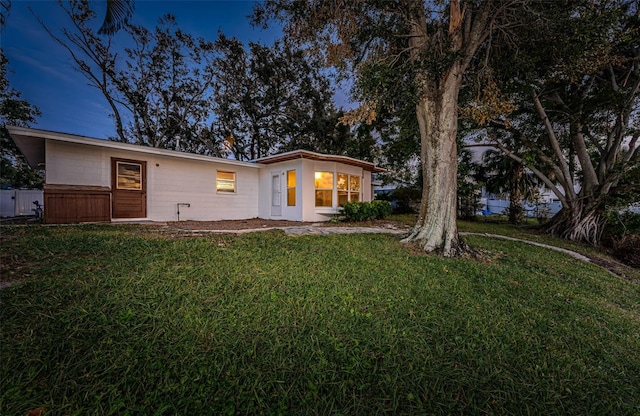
[{"x": 307, "y": 154}]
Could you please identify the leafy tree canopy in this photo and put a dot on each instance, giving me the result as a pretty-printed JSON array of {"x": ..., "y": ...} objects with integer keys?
[
  {"x": 409, "y": 58},
  {"x": 563, "y": 100},
  {"x": 221, "y": 98},
  {"x": 14, "y": 111}
]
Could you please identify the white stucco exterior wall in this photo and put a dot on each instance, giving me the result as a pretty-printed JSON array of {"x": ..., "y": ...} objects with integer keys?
[
  {"x": 75, "y": 164},
  {"x": 305, "y": 209},
  {"x": 173, "y": 178},
  {"x": 290, "y": 213},
  {"x": 170, "y": 180}
]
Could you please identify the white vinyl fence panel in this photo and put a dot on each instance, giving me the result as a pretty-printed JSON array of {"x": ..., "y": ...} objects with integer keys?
[
  {"x": 18, "y": 202},
  {"x": 7, "y": 203},
  {"x": 500, "y": 206}
]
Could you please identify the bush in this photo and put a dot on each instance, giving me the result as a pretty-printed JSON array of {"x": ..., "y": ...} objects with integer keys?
[
  {"x": 383, "y": 208},
  {"x": 627, "y": 250},
  {"x": 407, "y": 200},
  {"x": 622, "y": 235},
  {"x": 351, "y": 211},
  {"x": 355, "y": 211},
  {"x": 621, "y": 224}
]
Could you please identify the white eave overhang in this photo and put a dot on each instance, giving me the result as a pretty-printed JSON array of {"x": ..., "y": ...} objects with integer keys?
[
  {"x": 306, "y": 154},
  {"x": 31, "y": 143}
]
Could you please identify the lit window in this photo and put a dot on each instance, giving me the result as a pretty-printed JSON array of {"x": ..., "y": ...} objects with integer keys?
[
  {"x": 354, "y": 188},
  {"x": 348, "y": 188},
  {"x": 225, "y": 181},
  {"x": 291, "y": 188},
  {"x": 324, "y": 189},
  {"x": 129, "y": 176}
]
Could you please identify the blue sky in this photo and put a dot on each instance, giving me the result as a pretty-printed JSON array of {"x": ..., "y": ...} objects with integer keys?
[{"x": 43, "y": 72}]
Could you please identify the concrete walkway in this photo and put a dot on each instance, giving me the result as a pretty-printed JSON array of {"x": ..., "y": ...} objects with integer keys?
[
  {"x": 533, "y": 243},
  {"x": 319, "y": 229},
  {"x": 605, "y": 266},
  {"x": 312, "y": 230}
]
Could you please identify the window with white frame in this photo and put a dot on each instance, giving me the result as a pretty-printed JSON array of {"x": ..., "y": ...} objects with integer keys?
[
  {"x": 348, "y": 188},
  {"x": 225, "y": 181},
  {"x": 324, "y": 189},
  {"x": 291, "y": 188}
]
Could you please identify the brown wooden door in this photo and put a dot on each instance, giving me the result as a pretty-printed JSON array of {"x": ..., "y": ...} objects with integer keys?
[{"x": 129, "y": 188}]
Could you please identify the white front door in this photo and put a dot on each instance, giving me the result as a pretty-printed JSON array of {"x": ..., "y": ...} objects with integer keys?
[{"x": 276, "y": 194}]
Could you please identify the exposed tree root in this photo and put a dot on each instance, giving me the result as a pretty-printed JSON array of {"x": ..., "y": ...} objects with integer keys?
[
  {"x": 575, "y": 227},
  {"x": 457, "y": 247},
  {"x": 612, "y": 267}
]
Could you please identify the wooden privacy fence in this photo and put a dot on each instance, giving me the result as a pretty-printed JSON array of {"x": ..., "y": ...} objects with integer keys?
[{"x": 66, "y": 204}]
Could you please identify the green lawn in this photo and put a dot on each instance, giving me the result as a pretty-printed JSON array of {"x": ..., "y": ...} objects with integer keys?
[
  {"x": 532, "y": 232},
  {"x": 111, "y": 320}
]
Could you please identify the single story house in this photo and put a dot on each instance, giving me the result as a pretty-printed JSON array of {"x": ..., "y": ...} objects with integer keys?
[{"x": 93, "y": 180}]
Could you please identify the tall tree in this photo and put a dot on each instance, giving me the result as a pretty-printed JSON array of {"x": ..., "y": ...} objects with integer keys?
[
  {"x": 267, "y": 97},
  {"x": 5, "y": 8},
  {"x": 167, "y": 83},
  {"x": 157, "y": 90},
  {"x": 14, "y": 111},
  {"x": 92, "y": 55},
  {"x": 173, "y": 90},
  {"x": 501, "y": 174},
  {"x": 577, "y": 92},
  {"x": 431, "y": 41}
]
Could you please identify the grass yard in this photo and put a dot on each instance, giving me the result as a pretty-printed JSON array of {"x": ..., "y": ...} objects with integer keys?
[
  {"x": 532, "y": 232},
  {"x": 112, "y": 320}
]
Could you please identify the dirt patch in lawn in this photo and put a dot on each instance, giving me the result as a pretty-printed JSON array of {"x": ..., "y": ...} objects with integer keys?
[
  {"x": 234, "y": 225},
  {"x": 257, "y": 224}
]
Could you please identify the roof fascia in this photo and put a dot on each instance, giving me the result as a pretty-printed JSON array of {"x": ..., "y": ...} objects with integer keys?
[
  {"x": 307, "y": 154},
  {"x": 24, "y": 132}
]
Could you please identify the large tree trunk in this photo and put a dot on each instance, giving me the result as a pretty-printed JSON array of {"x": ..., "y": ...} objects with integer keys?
[
  {"x": 437, "y": 114},
  {"x": 436, "y": 228}
]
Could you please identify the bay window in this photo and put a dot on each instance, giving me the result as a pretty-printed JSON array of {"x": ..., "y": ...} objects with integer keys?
[{"x": 348, "y": 188}]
